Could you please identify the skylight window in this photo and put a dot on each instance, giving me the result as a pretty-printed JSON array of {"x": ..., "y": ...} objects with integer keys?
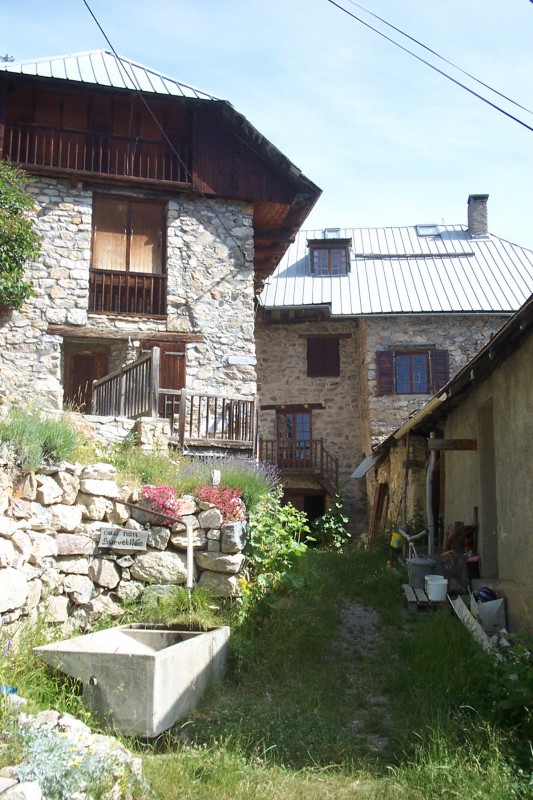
[{"x": 427, "y": 230}]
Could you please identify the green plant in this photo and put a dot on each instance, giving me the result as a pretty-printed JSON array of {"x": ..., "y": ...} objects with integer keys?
[
  {"x": 19, "y": 242},
  {"x": 330, "y": 530},
  {"x": 254, "y": 479},
  {"x": 36, "y": 439},
  {"x": 275, "y": 534},
  {"x": 136, "y": 466}
]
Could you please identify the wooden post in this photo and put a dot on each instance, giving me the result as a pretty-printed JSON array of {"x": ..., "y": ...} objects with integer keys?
[
  {"x": 429, "y": 498},
  {"x": 182, "y": 413},
  {"x": 122, "y": 394},
  {"x": 154, "y": 389}
]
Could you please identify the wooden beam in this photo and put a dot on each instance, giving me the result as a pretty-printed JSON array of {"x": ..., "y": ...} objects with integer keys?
[
  {"x": 452, "y": 444},
  {"x": 111, "y": 334},
  {"x": 324, "y": 336}
]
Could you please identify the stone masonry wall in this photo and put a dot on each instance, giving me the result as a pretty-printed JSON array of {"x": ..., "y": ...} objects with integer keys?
[
  {"x": 282, "y": 376},
  {"x": 463, "y": 336},
  {"x": 210, "y": 292},
  {"x": 51, "y": 564}
]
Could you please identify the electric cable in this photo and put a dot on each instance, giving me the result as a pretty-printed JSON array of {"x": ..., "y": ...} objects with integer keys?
[
  {"x": 138, "y": 91},
  {"x": 438, "y": 55},
  {"x": 433, "y": 67}
]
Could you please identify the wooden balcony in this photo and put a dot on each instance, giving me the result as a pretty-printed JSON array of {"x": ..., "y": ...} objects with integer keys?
[
  {"x": 197, "y": 419},
  {"x": 48, "y": 149},
  {"x": 131, "y": 293},
  {"x": 302, "y": 456}
]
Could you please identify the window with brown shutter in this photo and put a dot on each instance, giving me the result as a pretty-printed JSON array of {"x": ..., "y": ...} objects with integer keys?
[
  {"x": 411, "y": 371},
  {"x": 128, "y": 235},
  {"x": 329, "y": 256},
  {"x": 323, "y": 357}
]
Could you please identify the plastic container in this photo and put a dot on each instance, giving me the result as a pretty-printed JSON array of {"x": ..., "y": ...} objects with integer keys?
[
  {"x": 436, "y": 587},
  {"x": 417, "y": 569},
  {"x": 397, "y": 540}
]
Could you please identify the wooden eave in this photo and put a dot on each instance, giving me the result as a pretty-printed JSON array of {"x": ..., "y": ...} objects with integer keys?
[{"x": 231, "y": 160}]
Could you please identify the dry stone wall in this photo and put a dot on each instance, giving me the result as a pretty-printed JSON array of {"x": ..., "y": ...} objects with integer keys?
[{"x": 52, "y": 564}]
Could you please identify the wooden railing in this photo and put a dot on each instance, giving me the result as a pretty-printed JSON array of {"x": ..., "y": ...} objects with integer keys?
[
  {"x": 97, "y": 153},
  {"x": 130, "y": 391},
  {"x": 133, "y": 293},
  {"x": 301, "y": 455},
  {"x": 196, "y": 419}
]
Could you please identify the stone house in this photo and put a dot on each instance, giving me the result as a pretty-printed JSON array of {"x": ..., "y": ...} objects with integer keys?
[
  {"x": 161, "y": 211},
  {"x": 475, "y": 437},
  {"x": 357, "y": 328}
]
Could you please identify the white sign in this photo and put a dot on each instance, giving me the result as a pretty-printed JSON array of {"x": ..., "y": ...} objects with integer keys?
[{"x": 123, "y": 539}]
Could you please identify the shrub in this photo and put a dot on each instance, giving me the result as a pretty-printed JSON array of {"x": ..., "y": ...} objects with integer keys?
[
  {"x": 275, "y": 533},
  {"x": 18, "y": 240},
  {"x": 35, "y": 439},
  {"x": 227, "y": 500},
  {"x": 253, "y": 478},
  {"x": 330, "y": 529}
]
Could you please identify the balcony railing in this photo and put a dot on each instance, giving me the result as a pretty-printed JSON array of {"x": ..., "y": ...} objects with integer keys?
[
  {"x": 301, "y": 455},
  {"x": 196, "y": 419},
  {"x": 133, "y": 293},
  {"x": 96, "y": 153}
]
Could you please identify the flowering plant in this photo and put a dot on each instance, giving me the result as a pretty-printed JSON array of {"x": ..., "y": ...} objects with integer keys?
[
  {"x": 226, "y": 499},
  {"x": 163, "y": 500}
]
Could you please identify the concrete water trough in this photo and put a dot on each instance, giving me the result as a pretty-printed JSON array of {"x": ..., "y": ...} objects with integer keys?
[{"x": 141, "y": 678}]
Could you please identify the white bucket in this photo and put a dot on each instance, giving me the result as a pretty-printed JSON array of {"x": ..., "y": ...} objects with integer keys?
[{"x": 436, "y": 587}]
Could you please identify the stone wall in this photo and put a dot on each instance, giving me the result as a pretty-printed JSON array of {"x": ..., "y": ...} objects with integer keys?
[
  {"x": 51, "y": 564},
  {"x": 210, "y": 292},
  {"x": 463, "y": 336},
  {"x": 283, "y": 380}
]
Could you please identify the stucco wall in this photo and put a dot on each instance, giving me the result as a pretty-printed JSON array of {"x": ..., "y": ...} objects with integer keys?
[
  {"x": 463, "y": 336},
  {"x": 210, "y": 291},
  {"x": 282, "y": 377},
  {"x": 506, "y": 396}
]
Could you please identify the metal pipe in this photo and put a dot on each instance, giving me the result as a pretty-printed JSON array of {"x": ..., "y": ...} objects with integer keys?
[
  {"x": 190, "y": 555},
  {"x": 429, "y": 499}
]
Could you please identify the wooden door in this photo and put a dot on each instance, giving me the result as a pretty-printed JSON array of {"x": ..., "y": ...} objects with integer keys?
[
  {"x": 171, "y": 375},
  {"x": 82, "y": 367}
]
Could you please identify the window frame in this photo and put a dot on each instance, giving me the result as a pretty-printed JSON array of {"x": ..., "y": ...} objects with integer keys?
[
  {"x": 411, "y": 356},
  {"x": 322, "y": 250},
  {"x": 131, "y": 203},
  {"x": 437, "y": 365}
]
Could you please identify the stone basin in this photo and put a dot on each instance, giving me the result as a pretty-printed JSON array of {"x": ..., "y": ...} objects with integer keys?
[{"x": 141, "y": 678}]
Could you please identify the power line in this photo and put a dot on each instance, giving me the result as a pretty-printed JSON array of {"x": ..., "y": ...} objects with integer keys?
[
  {"x": 138, "y": 91},
  {"x": 432, "y": 66},
  {"x": 442, "y": 58}
]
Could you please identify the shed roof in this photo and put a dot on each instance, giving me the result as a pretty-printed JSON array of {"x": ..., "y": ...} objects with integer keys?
[
  {"x": 407, "y": 270},
  {"x": 103, "y": 68}
]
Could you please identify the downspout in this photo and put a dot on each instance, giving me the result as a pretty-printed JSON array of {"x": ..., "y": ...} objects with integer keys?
[{"x": 429, "y": 499}]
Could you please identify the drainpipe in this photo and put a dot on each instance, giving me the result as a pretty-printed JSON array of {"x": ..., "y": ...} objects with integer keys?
[{"x": 429, "y": 499}]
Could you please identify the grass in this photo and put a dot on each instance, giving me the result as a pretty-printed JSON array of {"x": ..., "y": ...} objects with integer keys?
[{"x": 393, "y": 709}]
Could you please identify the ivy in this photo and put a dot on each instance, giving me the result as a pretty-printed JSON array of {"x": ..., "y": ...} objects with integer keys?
[{"x": 19, "y": 241}]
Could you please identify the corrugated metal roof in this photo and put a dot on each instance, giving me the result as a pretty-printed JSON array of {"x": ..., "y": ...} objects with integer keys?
[
  {"x": 395, "y": 271},
  {"x": 103, "y": 68}
]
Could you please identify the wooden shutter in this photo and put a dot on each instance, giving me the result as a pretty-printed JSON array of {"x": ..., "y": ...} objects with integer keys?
[
  {"x": 323, "y": 359},
  {"x": 440, "y": 369},
  {"x": 384, "y": 372},
  {"x": 146, "y": 238},
  {"x": 109, "y": 233}
]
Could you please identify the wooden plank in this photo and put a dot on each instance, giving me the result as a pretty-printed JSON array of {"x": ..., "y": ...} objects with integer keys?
[
  {"x": 410, "y": 598},
  {"x": 452, "y": 444}
]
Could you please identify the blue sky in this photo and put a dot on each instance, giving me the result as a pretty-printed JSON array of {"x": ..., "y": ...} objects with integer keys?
[{"x": 389, "y": 141}]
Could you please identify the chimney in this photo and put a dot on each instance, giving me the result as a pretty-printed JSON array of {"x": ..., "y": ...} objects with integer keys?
[{"x": 477, "y": 215}]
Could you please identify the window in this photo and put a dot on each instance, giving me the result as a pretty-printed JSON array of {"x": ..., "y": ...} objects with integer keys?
[
  {"x": 329, "y": 256},
  {"x": 411, "y": 371},
  {"x": 128, "y": 235},
  {"x": 294, "y": 438},
  {"x": 323, "y": 359}
]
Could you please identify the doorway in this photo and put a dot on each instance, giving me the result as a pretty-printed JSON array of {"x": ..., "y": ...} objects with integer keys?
[{"x": 82, "y": 367}]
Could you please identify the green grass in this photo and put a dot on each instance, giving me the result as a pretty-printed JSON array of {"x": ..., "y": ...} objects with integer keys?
[{"x": 304, "y": 714}]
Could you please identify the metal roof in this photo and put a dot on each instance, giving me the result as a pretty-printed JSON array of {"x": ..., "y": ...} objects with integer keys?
[
  {"x": 103, "y": 68},
  {"x": 398, "y": 271}
]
